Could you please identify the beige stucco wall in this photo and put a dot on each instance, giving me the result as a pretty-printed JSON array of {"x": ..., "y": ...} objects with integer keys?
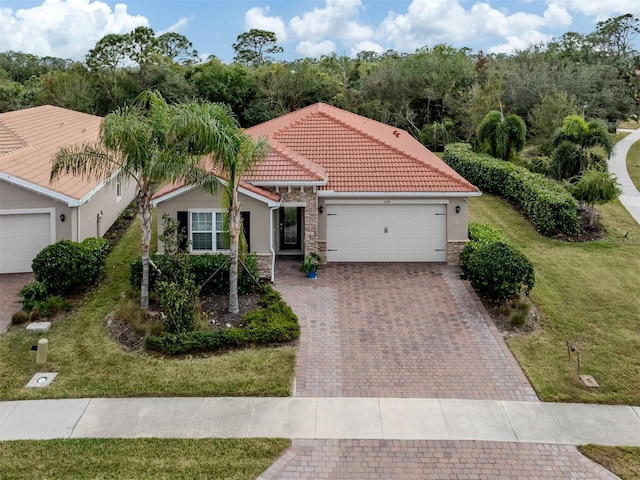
[
  {"x": 80, "y": 222},
  {"x": 13, "y": 197},
  {"x": 197, "y": 199},
  {"x": 104, "y": 201}
]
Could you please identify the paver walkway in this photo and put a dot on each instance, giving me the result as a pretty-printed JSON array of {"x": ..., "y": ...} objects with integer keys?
[
  {"x": 10, "y": 285},
  {"x": 630, "y": 197},
  {"x": 397, "y": 330}
]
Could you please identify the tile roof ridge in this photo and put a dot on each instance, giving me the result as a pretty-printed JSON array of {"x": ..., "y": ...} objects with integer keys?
[
  {"x": 405, "y": 153},
  {"x": 16, "y": 136},
  {"x": 302, "y": 162}
]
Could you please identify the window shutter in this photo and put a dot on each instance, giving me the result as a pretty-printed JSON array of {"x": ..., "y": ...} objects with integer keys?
[
  {"x": 183, "y": 231},
  {"x": 246, "y": 227}
]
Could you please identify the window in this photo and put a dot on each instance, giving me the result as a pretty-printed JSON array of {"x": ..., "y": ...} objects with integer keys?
[{"x": 207, "y": 232}]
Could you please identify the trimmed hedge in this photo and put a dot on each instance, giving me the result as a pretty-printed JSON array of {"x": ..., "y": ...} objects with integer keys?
[
  {"x": 273, "y": 322},
  {"x": 201, "y": 266},
  {"x": 65, "y": 266},
  {"x": 480, "y": 234},
  {"x": 544, "y": 202},
  {"x": 499, "y": 271}
]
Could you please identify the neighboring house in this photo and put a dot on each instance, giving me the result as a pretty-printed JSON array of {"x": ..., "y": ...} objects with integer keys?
[
  {"x": 34, "y": 212},
  {"x": 342, "y": 185}
]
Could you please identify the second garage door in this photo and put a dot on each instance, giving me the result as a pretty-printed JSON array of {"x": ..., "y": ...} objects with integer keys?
[
  {"x": 22, "y": 236},
  {"x": 386, "y": 233}
]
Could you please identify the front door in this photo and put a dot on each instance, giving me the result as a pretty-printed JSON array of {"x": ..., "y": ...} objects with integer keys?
[{"x": 290, "y": 228}]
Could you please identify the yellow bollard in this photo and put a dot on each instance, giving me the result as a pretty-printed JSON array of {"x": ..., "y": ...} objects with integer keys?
[{"x": 41, "y": 353}]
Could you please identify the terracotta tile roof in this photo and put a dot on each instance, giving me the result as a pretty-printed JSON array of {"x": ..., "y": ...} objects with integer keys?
[
  {"x": 358, "y": 154},
  {"x": 172, "y": 187},
  {"x": 29, "y": 138}
]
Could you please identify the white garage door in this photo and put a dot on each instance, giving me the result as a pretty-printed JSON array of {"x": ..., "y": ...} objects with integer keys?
[
  {"x": 386, "y": 233},
  {"x": 22, "y": 236}
]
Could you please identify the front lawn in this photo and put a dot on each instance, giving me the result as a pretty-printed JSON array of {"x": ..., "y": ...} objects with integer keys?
[
  {"x": 90, "y": 364},
  {"x": 622, "y": 461},
  {"x": 141, "y": 458},
  {"x": 588, "y": 294}
]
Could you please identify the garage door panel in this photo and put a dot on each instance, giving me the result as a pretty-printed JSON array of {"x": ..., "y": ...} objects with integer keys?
[
  {"x": 22, "y": 236},
  {"x": 387, "y": 233}
]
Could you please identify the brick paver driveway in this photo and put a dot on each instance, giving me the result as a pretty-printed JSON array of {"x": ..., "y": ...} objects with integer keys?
[
  {"x": 10, "y": 285},
  {"x": 397, "y": 330},
  {"x": 407, "y": 330}
]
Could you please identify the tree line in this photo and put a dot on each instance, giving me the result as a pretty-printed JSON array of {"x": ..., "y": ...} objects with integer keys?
[{"x": 439, "y": 94}]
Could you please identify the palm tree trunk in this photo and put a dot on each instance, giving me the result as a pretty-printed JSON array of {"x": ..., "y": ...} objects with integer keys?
[
  {"x": 234, "y": 240},
  {"x": 145, "y": 223}
]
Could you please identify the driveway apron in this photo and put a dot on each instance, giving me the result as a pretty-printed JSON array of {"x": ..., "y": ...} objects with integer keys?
[
  {"x": 10, "y": 285},
  {"x": 397, "y": 330}
]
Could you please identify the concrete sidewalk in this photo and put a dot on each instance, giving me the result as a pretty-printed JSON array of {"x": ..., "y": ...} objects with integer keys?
[
  {"x": 322, "y": 418},
  {"x": 630, "y": 197}
]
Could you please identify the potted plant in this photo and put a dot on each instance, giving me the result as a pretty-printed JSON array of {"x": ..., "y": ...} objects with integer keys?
[{"x": 310, "y": 264}]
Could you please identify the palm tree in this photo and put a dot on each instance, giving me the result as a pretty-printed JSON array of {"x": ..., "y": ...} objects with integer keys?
[
  {"x": 249, "y": 154},
  {"x": 231, "y": 159},
  {"x": 502, "y": 137},
  {"x": 151, "y": 142},
  {"x": 575, "y": 146}
]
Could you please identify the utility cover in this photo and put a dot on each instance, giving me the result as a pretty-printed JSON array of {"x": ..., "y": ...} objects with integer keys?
[{"x": 41, "y": 379}]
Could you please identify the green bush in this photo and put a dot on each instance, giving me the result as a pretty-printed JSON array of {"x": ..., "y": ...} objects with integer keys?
[
  {"x": 19, "y": 317},
  {"x": 274, "y": 322},
  {"x": 179, "y": 303},
  {"x": 499, "y": 271},
  {"x": 32, "y": 294},
  {"x": 99, "y": 247},
  {"x": 53, "y": 305},
  {"x": 544, "y": 202},
  {"x": 480, "y": 234},
  {"x": 202, "y": 267},
  {"x": 65, "y": 266}
]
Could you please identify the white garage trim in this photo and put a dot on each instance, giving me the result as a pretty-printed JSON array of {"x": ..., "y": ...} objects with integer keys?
[
  {"x": 386, "y": 232},
  {"x": 23, "y": 262}
]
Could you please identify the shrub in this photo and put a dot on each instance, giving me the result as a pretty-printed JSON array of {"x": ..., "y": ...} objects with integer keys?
[
  {"x": 64, "y": 267},
  {"x": 500, "y": 271},
  {"x": 202, "y": 267},
  {"x": 99, "y": 247},
  {"x": 53, "y": 305},
  {"x": 179, "y": 304},
  {"x": 480, "y": 234},
  {"x": 541, "y": 165},
  {"x": 274, "y": 322},
  {"x": 32, "y": 294},
  {"x": 544, "y": 202},
  {"x": 19, "y": 317}
]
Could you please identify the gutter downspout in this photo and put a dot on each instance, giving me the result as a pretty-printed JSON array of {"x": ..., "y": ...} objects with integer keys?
[{"x": 271, "y": 247}]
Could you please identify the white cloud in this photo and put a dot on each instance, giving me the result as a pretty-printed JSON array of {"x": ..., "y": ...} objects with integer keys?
[
  {"x": 334, "y": 20},
  {"x": 257, "y": 17},
  {"x": 177, "y": 27},
  {"x": 63, "y": 28},
  {"x": 601, "y": 9},
  {"x": 316, "y": 49},
  {"x": 427, "y": 22},
  {"x": 366, "y": 46}
]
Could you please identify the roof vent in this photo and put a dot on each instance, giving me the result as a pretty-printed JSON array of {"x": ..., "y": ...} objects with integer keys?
[
  {"x": 396, "y": 133},
  {"x": 84, "y": 130},
  {"x": 62, "y": 124}
]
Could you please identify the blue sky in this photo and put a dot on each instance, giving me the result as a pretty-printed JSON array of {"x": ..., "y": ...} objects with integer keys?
[{"x": 69, "y": 28}]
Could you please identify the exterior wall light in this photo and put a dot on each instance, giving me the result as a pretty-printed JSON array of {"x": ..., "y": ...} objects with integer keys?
[
  {"x": 320, "y": 209},
  {"x": 62, "y": 217},
  {"x": 457, "y": 208}
]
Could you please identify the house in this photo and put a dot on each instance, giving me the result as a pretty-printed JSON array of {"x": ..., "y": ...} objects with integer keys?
[
  {"x": 342, "y": 185},
  {"x": 34, "y": 212}
]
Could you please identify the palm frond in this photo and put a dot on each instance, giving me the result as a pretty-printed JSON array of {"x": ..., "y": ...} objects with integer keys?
[{"x": 90, "y": 160}]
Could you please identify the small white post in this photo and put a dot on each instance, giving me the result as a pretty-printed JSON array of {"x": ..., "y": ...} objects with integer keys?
[{"x": 41, "y": 353}]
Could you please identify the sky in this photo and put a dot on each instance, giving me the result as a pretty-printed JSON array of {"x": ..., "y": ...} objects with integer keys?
[{"x": 304, "y": 28}]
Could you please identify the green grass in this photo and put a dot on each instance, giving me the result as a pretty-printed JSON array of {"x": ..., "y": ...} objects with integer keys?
[
  {"x": 232, "y": 459},
  {"x": 90, "y": 364},
  {"x": 588, "y": 295},
  {"x": 622, "y": 461},
  {"x": 616, "y": 137},
  {"x": 633, "y": 164}
]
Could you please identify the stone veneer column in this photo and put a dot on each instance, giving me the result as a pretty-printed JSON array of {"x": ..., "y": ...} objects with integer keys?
[
  {"x": 454, "y": 249},
  {"x": 308, "y": 196}
]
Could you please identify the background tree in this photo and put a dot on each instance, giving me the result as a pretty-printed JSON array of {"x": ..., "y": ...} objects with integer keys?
[
  {"x": 150, "y": 143},
  {"x": 576, "y": 147},
  {"x": 502, "y": 137},
  {"x": 547, "y": 116},
  {"x": 595, "y": 187},
  {"x": 251, "y": 47}
]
